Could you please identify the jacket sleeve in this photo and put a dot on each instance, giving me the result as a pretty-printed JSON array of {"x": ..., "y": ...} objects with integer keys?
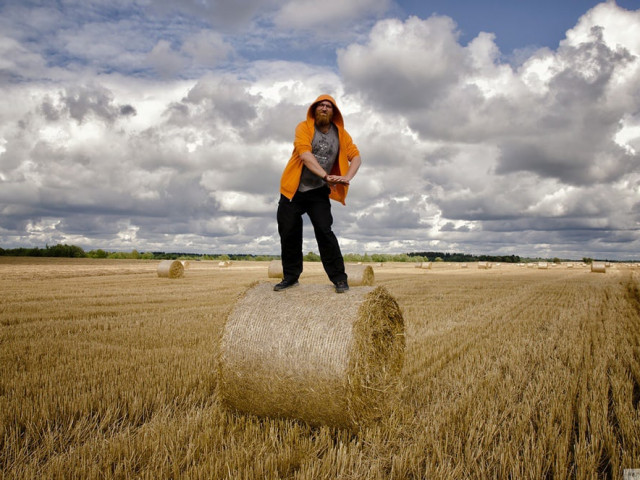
[
  {"x": 351, "y": 148},
  {"x": 303, "y": 138}
]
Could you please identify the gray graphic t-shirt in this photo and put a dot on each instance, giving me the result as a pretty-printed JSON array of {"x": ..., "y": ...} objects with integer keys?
[{"x": 324, "y": 147}]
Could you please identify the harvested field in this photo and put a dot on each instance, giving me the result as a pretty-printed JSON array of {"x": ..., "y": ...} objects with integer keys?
[{"x": 107, "y": 370}]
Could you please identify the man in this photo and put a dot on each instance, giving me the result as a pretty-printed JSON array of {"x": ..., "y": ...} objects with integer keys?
[{"x": 323, "y": 162}]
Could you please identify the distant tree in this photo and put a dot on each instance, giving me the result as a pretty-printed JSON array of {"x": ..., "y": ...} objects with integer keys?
[
  {"x": 64, "y": 250},
  {"x": 311, "y": 257},
  {"x": 99, "y": 253},
  {"x": 265, "y": 258}
]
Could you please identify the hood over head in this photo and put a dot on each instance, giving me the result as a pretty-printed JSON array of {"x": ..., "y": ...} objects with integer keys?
[{"x": 337, "y": 116}]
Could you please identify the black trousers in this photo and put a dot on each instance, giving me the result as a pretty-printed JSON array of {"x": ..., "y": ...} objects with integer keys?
[{"x": 316, "y": 204}]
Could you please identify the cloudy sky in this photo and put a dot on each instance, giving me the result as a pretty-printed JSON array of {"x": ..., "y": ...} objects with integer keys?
[{"x": 494, "y": 127}]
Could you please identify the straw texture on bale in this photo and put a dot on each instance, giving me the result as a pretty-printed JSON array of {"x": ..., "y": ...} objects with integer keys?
[
  {"x": 598, "y": 267},
  {"x": 309, "y": 354},
  {"x": 359, "y": 275},
  {"x": 275, "y": 269},
  {"x": 170, "y": 269}
]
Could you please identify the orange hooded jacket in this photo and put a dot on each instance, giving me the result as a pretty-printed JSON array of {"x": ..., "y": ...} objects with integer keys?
[{"x": 304, "y": 135}]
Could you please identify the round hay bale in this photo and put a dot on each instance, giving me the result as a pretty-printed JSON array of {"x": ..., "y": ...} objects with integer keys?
[
  {"x": 170, "y": 269},
  {"x": 598, "y": 267},
  {"x": 312, "y": 355},
  {"x": 224, "y": 264},
  {"x": 275, "y": 269},
  {"x": 359, "y": 274},
  {"x": 425, "y": 265},
  {"x": 483, "y": 265},
  {"x": 185, "y": 264},
  {"x": 543, "y": 265}
]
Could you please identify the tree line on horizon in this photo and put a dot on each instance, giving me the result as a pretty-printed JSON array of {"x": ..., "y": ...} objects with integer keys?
[{"x": 74, "y": 251}]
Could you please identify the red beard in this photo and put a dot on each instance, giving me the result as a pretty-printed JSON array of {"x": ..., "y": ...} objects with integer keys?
[{"x": 323, "y": 118}]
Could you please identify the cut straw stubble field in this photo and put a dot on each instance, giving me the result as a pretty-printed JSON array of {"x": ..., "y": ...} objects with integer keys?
[{"x": 108, "y": 370}]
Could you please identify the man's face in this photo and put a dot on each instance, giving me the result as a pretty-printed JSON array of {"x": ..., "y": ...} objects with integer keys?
[{"x": 324, "y": 113}]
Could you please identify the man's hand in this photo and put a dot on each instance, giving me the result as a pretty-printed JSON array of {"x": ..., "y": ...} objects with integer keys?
[{"x": 337, "y": 179}]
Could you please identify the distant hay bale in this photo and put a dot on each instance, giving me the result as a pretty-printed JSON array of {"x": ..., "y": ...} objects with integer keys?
[
  {"x": 543, "y": 265},
  {"x": 312, "y": 355},
  {"x": 185, "y": 264},
  {"x": 598, "y": 267},
  {"x": 359, "y": 274},
  {"x": 275, "y": 269},
  {"x": 425, "y": 265},
  {"x": 484, "y": 265},
  {"x": 464, "y": 265},
  {"x": 224, "y": 264},
  {"x": 170, "y": 269}
]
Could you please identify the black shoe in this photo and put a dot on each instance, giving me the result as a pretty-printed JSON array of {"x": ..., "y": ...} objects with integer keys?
[
  {"x": 342, "y": 286},
  {"x": 285, "y": 284}
]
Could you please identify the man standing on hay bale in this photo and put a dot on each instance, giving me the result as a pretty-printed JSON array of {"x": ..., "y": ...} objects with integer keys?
[{"x": 323, "y": 162}]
